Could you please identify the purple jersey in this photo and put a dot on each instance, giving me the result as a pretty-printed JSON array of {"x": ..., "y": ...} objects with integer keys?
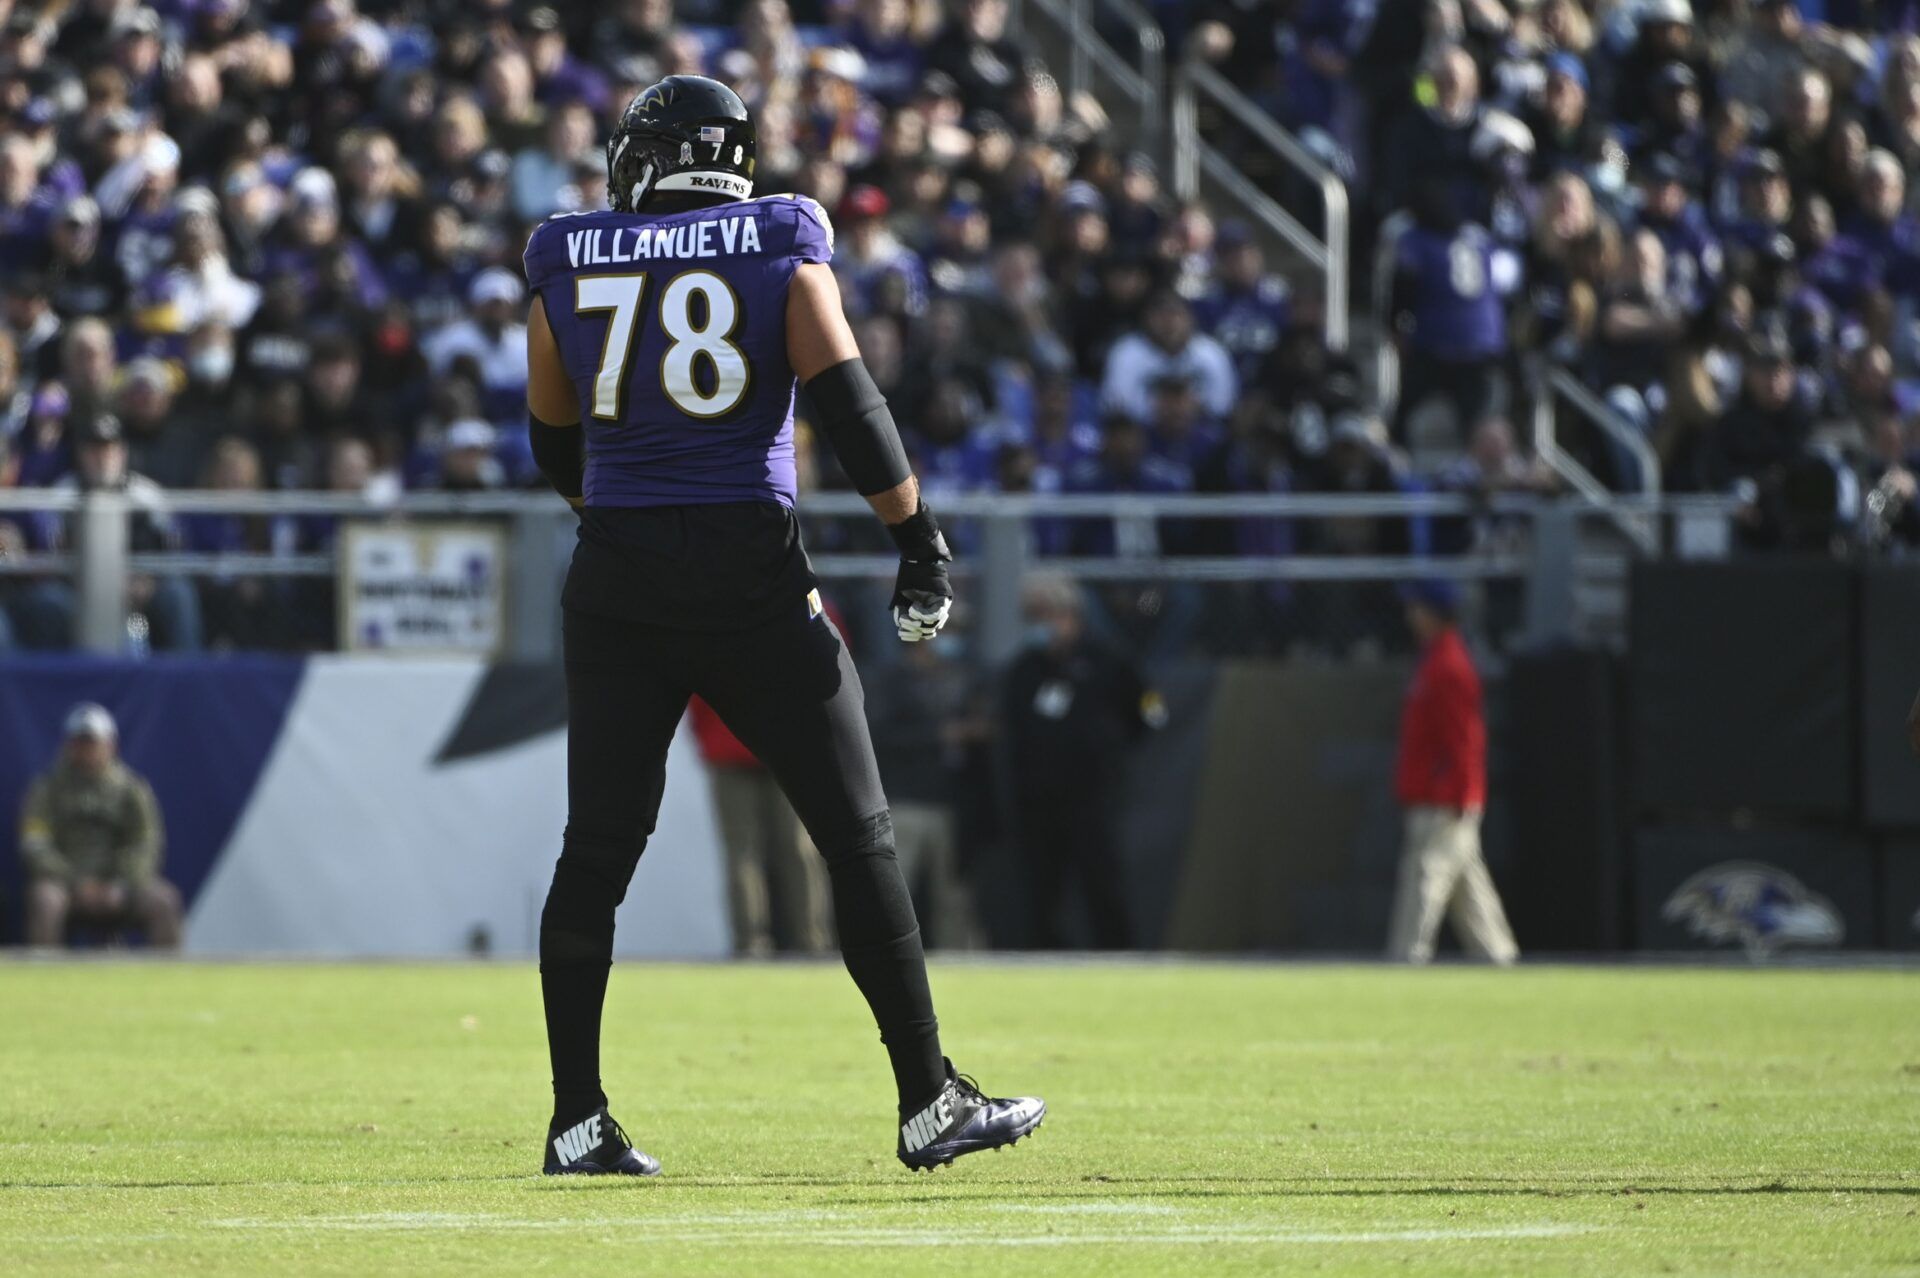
[
  {"x": 1454, "y": 286},
  {"x": 673, "y": 329}
]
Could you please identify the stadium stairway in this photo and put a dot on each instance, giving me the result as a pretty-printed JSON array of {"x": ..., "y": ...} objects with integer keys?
[{"x": 1137, "y": 92}]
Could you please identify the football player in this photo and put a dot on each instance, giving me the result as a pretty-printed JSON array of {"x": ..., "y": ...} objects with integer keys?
[{"x": 664, "y": 343}]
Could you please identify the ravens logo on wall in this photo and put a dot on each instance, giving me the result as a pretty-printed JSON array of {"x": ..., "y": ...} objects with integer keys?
[{"x": 1760, "y": 906}]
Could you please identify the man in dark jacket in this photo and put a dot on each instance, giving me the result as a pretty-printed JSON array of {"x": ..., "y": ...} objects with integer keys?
[
  {"x": 922, "y": 770},
  {"x": 1071, "y": 710}
]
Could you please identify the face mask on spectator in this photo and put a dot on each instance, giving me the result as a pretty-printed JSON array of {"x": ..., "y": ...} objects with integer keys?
[{"x": 211, "y": 366}]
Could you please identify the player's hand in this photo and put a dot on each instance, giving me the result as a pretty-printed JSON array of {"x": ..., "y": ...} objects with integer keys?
[
  {"x": 923, "y": 592},
  {"x": 922, "y": 598}
]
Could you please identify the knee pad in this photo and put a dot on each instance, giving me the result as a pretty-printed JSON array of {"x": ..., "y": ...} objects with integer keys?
[
  {"x": 589, "y": 882},
  {"x": 598, "y": 858}
]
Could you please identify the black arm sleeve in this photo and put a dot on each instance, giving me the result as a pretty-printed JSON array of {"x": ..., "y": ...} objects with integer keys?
[
  {"x": 854, "y": 417},
  {"x": 560, "y": 453}
]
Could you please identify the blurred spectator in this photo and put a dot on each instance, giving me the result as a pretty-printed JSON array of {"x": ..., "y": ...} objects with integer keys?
[
  {"x": 1764, "y": 52},
  {"x": 33, "y": 323},
  {"x": 878, "y": 274},
  {"x": 1882, "y": 230},
  {"x": 467, "y": 463},
  {"x": 81, "y": 279},
  {"x": 1567, "y": 137},
  {"x": 91, "y": 839},
  {"x": 545, "y": 177},
  {"x": 491, "y": 343},
  {"x": 333, "y": 197},
  {"x": 1765, "y": 202},
  {"x": 202, "y": 286},
  {"x": 1125, "y": 464},
  {"x": 16, "y": 398},
  {"x": 1695, "y": 262},
  {"x": 1246, "y": 307},
  {"x": 1779, "y": 295},
  {"x": 40, "y": 455},
  {"x": 1799, "y": 137},
  {"x": 1453, "y": 145},
  {"x": 164, "y": 444},
  {"x": 976, "y": 52},
  {"x": 1673, "y": 123},
  {"x": 1450, "y": 291},
  {"x": 1071, "y": 711},
  {"x": 776, "y": 884},
  {"x": 1495, "y": 464},
  {"x": 953, "y": 450},
  {"x": 1640, "y": 319},
  {"x": 1344, "y": 617},
  {"x": 1167, "y": 344},
  {"x": 165, "y": 613},
  {"x": 238, "y": 612},
  {"x": 1178, "y": 430},
  {"x": 1839, "y": 268},
  {"x": 1441, "y": 783},
  {"x": 1749, "y": 450},
  {"x": 928, "y": 688},
  {"x": 1663, "y": 43}
]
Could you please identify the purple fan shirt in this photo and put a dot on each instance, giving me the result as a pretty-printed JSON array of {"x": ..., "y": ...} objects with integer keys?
[{"x": 696, "y": 406}]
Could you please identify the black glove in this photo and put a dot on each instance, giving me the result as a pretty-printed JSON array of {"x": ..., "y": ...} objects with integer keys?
[{"x": 922, "y": 593}]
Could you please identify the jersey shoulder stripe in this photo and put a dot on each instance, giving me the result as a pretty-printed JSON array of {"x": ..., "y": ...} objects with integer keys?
[{"x": 810, "y": 208}]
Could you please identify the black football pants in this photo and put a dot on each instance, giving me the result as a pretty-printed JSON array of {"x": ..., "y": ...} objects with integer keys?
[
  {"x": 1068, "y": 842},
  {"x": 787, "y": 688}
]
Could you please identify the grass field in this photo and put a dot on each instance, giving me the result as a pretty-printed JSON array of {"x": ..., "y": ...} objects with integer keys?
[{"x": 174, "y": 1118}]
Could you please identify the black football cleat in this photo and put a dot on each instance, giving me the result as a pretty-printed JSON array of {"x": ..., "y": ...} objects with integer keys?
[
  {"x": 595, "y": 1146},
  {"x": 962, "y": 1120}
]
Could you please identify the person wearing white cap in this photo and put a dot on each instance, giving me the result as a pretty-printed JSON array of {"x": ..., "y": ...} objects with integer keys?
[
  {"x": 493, "y": 336},
  {"x": 91, "y": 839},
  {"x": 467, "y": 463}
]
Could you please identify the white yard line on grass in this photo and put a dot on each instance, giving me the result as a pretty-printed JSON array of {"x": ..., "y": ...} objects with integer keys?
[{"x": 825, "y": 1227}]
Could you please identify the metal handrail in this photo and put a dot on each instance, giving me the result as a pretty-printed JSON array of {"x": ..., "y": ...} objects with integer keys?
[
  {"x": 840, "y": 503},
  {"x": 1629, "y": 516},
  {"x": 1191, "y": 155},
  {"x": 1217, "y": 568},
  {"x": 1143, "y": 83},
  {"x": 1617, "y": 428},
  {"x": 1386, "y": 355},
  {"x": 831, "y": 504},
  {"x": 1546, "y": 380},
  {"x": 993, "y": 527}
]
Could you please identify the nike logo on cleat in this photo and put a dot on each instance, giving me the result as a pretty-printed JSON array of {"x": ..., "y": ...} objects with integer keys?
[
  {"x": 919, "y": 1131},
  {"x": 579, "y": 1140}
]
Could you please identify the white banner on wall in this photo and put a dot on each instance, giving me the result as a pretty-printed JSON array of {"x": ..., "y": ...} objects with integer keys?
[
  {"x": 422, "y": 588},
  {"x": 360, "y": 841}
]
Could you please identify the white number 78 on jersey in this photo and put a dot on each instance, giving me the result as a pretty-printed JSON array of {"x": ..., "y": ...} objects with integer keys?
[{"x": 711, "y": 341}]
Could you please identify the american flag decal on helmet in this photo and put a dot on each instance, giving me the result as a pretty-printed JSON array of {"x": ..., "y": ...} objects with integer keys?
[{"x": 712, "y": 133}]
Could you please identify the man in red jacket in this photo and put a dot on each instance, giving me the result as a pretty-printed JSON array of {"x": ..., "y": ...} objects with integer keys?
[
  {"x": 1441, "y": 781},
  {"x": 776, "y": 882}
]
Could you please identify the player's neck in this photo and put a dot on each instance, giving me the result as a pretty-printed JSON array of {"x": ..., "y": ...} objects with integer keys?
[{"x": 666, "y": 202}]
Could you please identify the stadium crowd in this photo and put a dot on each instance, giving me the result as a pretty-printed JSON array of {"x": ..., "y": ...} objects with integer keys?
[
  {"x": 1703, "y": 212},
  {"x": 274, "y": 244}
]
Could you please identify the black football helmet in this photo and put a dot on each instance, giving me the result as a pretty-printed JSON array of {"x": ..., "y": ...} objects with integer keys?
[{"x": 686, "y": 134}]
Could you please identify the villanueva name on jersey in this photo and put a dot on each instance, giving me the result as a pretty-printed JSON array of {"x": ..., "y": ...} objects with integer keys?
[{"x": 603, "y": 246}]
